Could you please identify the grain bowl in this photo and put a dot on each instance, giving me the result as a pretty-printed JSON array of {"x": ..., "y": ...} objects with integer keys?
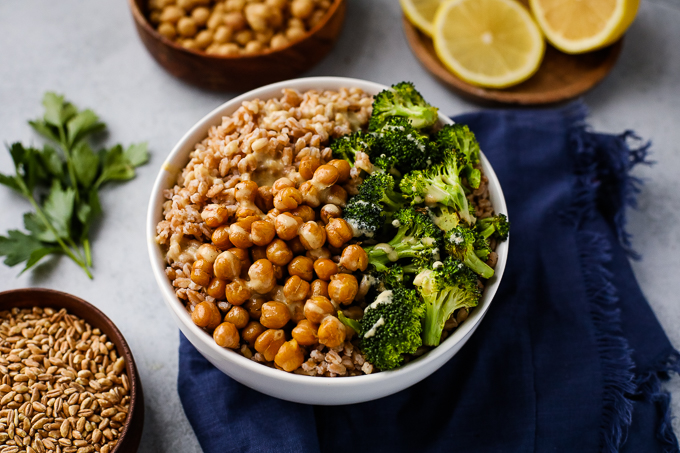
[
  {"x": 69, "y": 381},
  {"x": 348, "y": 101}
]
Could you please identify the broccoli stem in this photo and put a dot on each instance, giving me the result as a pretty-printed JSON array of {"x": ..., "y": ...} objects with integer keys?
[{"x": 472, "y": 261}]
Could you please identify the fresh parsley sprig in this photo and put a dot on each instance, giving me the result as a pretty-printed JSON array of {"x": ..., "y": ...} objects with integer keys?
[{"x": 62, "y": 184}]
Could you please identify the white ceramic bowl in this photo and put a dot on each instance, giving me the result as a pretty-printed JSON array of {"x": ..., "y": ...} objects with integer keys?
[{"x": 288, "y": 386}]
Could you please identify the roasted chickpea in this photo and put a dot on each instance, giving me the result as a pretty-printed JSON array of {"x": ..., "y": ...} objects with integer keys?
[
  {"x": 201, "y": 15},
  {"x": 296, "y": 288},
  {"x": 252, "y": 331},
  {"x": 280, "y": 184},
  {"x": 314, "y": 255},
  {"x": 337, "y": 196},
  {"x": 220, "y": 238},
  {"x": 244, "y": 257},
  {"x": 306, "y": 333},
  {"x": 204, "y": 38},
  {"x": 239, "y": 235},
  {"x": 312, "y": 235},
  {"x": 206, "y": 314},
  {"x": 295, "y": 33},
  {"x": 295, "y": 246},
  {"x": 310, "y": 194},
  {"x": 264, "y": 198},
  {"x": 320, "y": 288},
  {"x": 227, "y": 266},
  {"x": 330, "y": 211},
  {"x": 278, "y": 272},
  {"x": 258, "y": 252},
  {"x": 236, "y": 21},
  {"x": 217, "y": 288},
  {"x": 343, "y": 168},
  {"x": 332, "y": 332},
  {"x": 287, "y": 226},
  {"x": 290, "y": 356},
  {"x": 275, "y": 315},
  {"x": 317, "y": 308},
  {"x": 325, "y": 268},
  {"x": 171, "y": 14},
  {"x": 262, "y": 232},
  {"x": 343, "y": 288},
  {"x": 208, "y": 252},
  {"x": 306, "y": 213},
  {"x": 269, "y": 342},
  {"x": 246, "y": 191},
  {"x": 226, "y": 335},
  {"x": 262, "y": 279},
  {"x": 308, "y": 166},
  {"x": 201, "y": 272},
  {"x": 237, "y": 292},
  {"x": 278, "y": 253},
  {"x": 338, "y": 232},
  {"x": 254, "y": 306},
  {"x": 287, "y": 199},
  {"x": 278, "y": 41},
  {"x": 186, "y": 27},
  {"x": 167, "y": 29},
  {"x": 354, "y": 258},
  {"x": 326, "y": 175},
  {"x": 302, "y": 267},
  {"x": 238, "y": 316}
]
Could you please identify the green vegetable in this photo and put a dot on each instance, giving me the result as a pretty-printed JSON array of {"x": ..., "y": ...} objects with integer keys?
[
  {"x": 460, "y": 243},
  {"x": 440, "y": 184},
  {"x": 402, "y": 100},
  {"x": 409, "y": 148},
  {"x": 497, "y": 226},
  {"x": 417, "y": 238},
  {"x": 368, "y": 211},
  {"x": 445, "y": 289},
  {"x": 347, "y": 146},
  {"x": 63, "y": 185},
  {"x": 391, "y": 327},
  {"x": 459, "y": 138}
]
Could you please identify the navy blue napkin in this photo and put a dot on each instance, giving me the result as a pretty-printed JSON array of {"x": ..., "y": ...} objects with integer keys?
[{"x": 569, "y": 358}]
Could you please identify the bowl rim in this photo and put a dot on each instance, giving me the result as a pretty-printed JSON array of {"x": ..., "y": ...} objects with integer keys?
[
  {"x": 136, "y": 409},
  {"x": 141, "y": 19},
  {"x": 169, "y": 171}
]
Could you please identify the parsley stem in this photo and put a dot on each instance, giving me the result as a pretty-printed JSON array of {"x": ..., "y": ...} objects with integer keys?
[
  {"x": 48, "y": 224},
  {"x": 69, "y": 163},
  {"x": 88, "y": 251}
]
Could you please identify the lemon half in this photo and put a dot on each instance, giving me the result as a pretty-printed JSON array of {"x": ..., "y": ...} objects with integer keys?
[
  {"x": 491, "y": 43},
  {"x": 421, "y": 13},
  {"x": 576, "y": 26}
]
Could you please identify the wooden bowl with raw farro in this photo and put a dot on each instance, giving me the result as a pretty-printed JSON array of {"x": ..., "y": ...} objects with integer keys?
[
  {"x": 68, "y": 377},
  {"x": 184, "y": 228},
  {"x": 220, "y": 50}
]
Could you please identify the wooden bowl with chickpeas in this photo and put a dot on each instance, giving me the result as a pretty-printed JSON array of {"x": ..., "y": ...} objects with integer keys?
[
  {"x": 235, "y": 45},
  {"x": 253, "y": 258}
]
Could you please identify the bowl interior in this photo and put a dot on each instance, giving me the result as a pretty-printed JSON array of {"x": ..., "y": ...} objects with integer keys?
[
  {"x": 179, "y": 157},
  {"x": 132, "y": 430}
]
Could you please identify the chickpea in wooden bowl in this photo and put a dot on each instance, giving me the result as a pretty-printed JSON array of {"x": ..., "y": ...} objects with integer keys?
[
  {"x": 237, "y": 44},
  {"x": 255, "y": 259}
]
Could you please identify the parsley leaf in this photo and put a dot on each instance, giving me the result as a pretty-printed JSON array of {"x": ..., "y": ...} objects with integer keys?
[{"x": 71, "y": 176}]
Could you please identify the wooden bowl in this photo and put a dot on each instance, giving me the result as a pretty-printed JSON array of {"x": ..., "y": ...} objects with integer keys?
[
  {"x": 560, "y": 77},
  {"x": 241, "y": 72},
  {"x": 130, "y": 436}
]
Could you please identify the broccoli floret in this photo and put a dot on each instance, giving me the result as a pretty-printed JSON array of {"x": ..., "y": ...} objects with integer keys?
[
  {"x": 347, "y": 146},
  {"x": 382, "y": 280},
  {"x": 349, "y": 322},
  {"x": 460, "y": 244},
  {"x": 417, "y": 237},
  {"x": 444, "y": 217},
  {"x": 391, "y": 327},
  {"x": 410, "y": 149},
  {"x": 445, "y": 288},
  {"x": 440, "y": 184},
  {"x": 402, "y": 100},
  {"x": 497, "y": 226},
  {"x": 460, "y": 138},
  {"x": 379, "y": 189},
  {"x": 365, "y": 217},
  {"x": 482, "y": 248}
]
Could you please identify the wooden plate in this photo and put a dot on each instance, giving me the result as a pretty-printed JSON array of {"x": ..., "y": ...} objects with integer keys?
[{"x": 561, "y": 76}]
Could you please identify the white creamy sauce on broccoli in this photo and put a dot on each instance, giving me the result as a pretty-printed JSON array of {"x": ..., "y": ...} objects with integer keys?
[
  {"x": 374, "y": 329},
  {"x": 358, "y": 229},
  {"x": 389, "y": 251},
  {"x": 384, "y": 297}
]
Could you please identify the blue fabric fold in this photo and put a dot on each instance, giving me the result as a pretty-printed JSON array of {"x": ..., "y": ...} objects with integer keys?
[{"x": 570, "y": 356}]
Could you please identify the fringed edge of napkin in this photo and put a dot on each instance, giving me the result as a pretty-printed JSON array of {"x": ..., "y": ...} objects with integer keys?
[{"x": 604, "y": 182}]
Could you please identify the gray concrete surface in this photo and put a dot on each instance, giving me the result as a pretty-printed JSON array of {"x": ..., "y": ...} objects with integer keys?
[{"x": 90, "y": 51}]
